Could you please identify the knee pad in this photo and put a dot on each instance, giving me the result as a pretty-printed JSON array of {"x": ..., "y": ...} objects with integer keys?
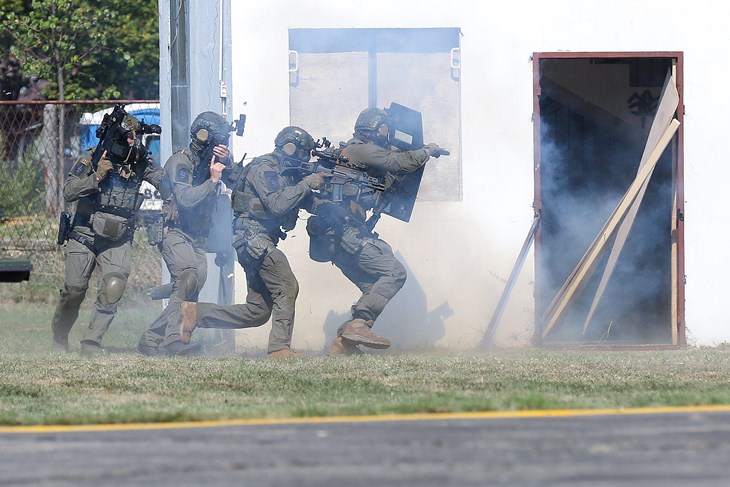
[
  {"x": 188, "y": 289},
  {"x": 112, "y": 288}
]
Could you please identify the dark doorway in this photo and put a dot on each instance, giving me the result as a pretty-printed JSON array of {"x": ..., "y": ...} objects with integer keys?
[{"x": 594, "y": 112}]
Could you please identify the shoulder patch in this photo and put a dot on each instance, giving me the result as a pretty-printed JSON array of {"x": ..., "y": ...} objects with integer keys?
[
  {"x": 80, "y": 168},
  {"x": 182, "y": 175},
  {"x": 272, "y": 180}
]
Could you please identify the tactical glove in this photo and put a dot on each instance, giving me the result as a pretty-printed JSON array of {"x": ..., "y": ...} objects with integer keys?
[
  {"x": 103, "y": 169},
  {"x": 433, "y": 150},
  {"x": 314, "y": 181}
]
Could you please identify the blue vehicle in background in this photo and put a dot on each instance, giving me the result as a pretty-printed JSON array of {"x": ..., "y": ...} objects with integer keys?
[{"x": 146, "y": 112}]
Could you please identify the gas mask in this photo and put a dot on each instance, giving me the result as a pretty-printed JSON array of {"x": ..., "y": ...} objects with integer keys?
[{"x": 295, "y": 145}]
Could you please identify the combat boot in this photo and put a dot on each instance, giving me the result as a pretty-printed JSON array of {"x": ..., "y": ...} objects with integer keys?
[
  {"x": 285, "y": 353},
  {"x": 148, "y": 350},
  {"x": 183, "y": 350},
  {"x": 343, "y": 347},
  {"x": 60, "y": 339},
  {"x": 91, "y": 349},
  {"x": 188, "y": 317},
  {"x": 357, "y": 331},
  {"x": 59, "y": 346}
]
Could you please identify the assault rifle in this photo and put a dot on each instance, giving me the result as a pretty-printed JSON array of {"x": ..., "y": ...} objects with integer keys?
[
  {"x": 332, "y": 164},
  {"x": 112, "y": 141},
  {"x": 113, "y": 137}
]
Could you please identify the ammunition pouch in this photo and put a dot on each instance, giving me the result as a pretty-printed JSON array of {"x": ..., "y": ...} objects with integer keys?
[
  {"x": 249, "y": 240},
  {"x": 170, "y": 213},
  {"x": 321, "y": 248},
  {"x": 154, "y": 225},
  {"x": 112, "y": 227},
  {"x": 352, "y": 241},
  {"x": 321, "y": 239}
]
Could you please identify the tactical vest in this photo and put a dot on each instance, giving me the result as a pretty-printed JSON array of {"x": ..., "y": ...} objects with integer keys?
[
  {"x": 351, "y": 191},
  {"x": 194, "y": 221},
  {"x": 247, "y": 205},
  {"x": 244, "y": 200},
  {"x": 110, "y": 213},
  {"x": 120, "y": 196}
]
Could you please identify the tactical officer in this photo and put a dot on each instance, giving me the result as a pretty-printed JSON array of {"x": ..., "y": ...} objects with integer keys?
[
  {"x": 265, "y": 203},
  {"x": 190, "y": 185},
  {"x": 107, "y": 199},
  {"x": 366, "y": 260}
]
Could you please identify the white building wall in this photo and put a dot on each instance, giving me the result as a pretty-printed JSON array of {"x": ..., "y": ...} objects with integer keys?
[{"x": 459, "y": 254}]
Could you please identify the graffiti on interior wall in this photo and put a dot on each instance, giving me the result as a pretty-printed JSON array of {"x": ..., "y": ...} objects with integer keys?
[{"x": 643, "y": 105}]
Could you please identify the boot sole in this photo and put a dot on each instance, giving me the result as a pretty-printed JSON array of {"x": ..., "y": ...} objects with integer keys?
[
  {"x": 190, "y": 351},
  {"x": 357, "y": 339},
  {"x": 345, "y": 347},
  {"x": 186, "y": 328}
]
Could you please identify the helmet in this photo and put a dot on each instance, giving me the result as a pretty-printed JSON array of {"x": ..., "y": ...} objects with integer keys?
[
  {"x": 210, "y": 128},
  {"x": 294, "y": 142},
  {"x": 371, "y": 119}
]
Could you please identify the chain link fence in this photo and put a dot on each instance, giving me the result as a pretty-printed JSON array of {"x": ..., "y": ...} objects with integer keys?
[{"x": 39, "y": 142}]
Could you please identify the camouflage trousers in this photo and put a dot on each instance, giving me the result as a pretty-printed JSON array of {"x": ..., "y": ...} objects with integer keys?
[
  {"x": 369, "y": 263},
  {"x": 185, "y": 258},
  {"x": 272, "y": 293},
  {"x": 115, "y": 263}
]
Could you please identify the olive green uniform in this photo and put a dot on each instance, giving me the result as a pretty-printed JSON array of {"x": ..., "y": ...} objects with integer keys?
[
  {"x": 188, "y": 212},
  {"x": 264, "y": 203},
  {"x": 102, "y": 231},
  {"x": 366, "y": 260}
]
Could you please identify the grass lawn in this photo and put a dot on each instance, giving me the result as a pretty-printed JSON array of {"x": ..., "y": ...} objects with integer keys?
[{"x": 40, "y": 387}]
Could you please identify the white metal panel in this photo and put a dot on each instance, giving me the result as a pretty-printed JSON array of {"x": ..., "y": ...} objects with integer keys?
[{"x": 460, "y": 253}]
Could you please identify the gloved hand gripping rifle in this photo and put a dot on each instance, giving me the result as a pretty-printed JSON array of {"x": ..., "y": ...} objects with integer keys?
[{"x": 332, "y": 164}]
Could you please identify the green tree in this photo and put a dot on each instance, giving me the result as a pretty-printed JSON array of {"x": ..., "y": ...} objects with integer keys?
[
  {"x": 11, "y": 79},
  {"x": 133, "y": 51},
  {"x": 86, "y": 49},
  {"x": 57, "y": 39}
]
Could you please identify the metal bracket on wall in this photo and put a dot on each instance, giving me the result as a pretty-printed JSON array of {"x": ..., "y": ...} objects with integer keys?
[
  {"x": 455, "y": 64},
  {"x": 293, "y": 68}
]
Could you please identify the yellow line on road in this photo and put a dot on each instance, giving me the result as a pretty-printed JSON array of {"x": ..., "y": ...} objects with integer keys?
[{"x": 546, "y": 413}]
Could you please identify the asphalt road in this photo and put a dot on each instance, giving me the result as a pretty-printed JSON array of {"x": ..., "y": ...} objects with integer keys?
[{"x": 670, "y": 449}]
